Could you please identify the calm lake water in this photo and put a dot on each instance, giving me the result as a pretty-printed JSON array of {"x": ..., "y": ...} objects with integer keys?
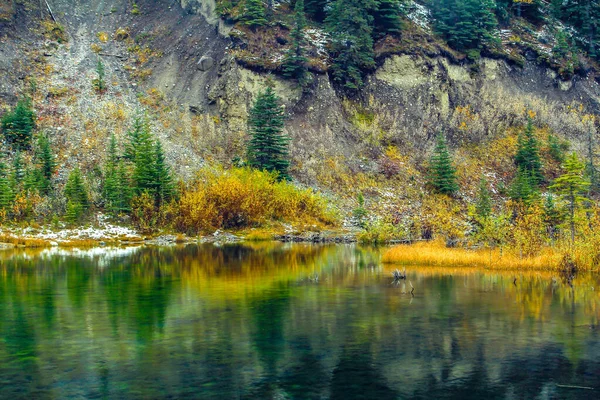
[{"x": 274, "y": 321}]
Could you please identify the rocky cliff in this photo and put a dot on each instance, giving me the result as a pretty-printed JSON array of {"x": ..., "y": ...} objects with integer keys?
[{"x": 174, "y": 60}]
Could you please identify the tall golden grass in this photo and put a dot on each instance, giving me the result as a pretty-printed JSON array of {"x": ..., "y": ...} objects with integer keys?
[{"x": 437, "y": 254}]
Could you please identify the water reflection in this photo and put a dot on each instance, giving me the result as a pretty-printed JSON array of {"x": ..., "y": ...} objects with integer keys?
[{"x": 266, "y": 321}]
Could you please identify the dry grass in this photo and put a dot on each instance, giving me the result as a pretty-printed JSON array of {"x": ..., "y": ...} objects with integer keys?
[
  {"x": 437, "y": 254},
  {"x": 24, "y": 242},
  {"x": 79, "y": 243}
]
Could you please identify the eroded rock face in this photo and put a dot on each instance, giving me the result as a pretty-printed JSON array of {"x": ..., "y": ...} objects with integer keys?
[{"x": 204, "y": 7}]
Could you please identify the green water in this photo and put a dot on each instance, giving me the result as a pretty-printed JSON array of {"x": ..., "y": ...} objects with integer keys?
[{"x": 271, "y": 321}]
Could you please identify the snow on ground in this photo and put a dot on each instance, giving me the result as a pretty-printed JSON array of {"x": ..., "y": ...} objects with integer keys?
[{"x": 420, "y": 15}]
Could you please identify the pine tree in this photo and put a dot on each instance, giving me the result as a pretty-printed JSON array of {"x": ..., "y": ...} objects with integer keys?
[
  {"x": 349, "y": 23},
  {"x": 6, "y": 193},
  {"x": 163, "y": 178},
  {"x": 465, "y": 24},
  {"x": 99, "y": 83},
  {"x": 527, "y": 157},
  {"x": 553, "y": 216},
  {"x": 483, "y": 206},
  {"x": 46, "y": 163},
  {"x": 117, "y": 187},
  {"x": 386, "y": 17},
  {"x": 571, "y": 187},
  {"x": 442, "y": 175},
  {"x": 268, "y": 148},
  {"x": 18, "y": 172},
  {"x": 77, "y": 196},
  {"x": 295, "y": 61},
  {"x": 591, "y": 170},
  {"x": 523, "y": 188},
  {"x": 18, "y": 124},
  {"x": 139, "y": 129},
  {"x": 143, "y": 163},
  {"x": 315, "y": 9},
  {"x": 557, "y": 148},
  {"x": 254, "y": 14}
]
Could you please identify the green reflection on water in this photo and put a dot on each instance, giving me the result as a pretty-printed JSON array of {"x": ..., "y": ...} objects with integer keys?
[{"x": 267, "y": 320}]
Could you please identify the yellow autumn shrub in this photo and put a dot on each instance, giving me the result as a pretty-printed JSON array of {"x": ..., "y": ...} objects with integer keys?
[{"x": 242, "y": 197}]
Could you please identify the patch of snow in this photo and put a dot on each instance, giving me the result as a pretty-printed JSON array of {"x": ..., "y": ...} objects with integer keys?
[{"x": 420, "y": 15}]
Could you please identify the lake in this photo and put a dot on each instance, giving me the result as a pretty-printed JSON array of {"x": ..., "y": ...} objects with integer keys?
[{"x": 288, "y": 321}]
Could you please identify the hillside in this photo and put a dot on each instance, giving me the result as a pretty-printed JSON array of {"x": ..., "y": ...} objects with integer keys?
[{"x": 196, "y": 68}]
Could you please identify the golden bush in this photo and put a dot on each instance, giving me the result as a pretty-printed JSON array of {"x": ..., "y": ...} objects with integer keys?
[{"x": 242, "y": 197}]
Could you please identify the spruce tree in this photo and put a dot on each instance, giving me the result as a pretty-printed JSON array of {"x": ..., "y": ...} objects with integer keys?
[
  {"x": 77, "y": 196},
  {"x": 268, "y": 147},
  {"x": 315, "y": 9},
  {"x": 6, "y": 193},
  {"x": 163, "y": 178},
  {"x": 483, "y": 206},
  {"x": 527, "y": 157},
  {"x": 46, "y": 163},
  {"x": 523, "y": 187},
  {"x": 254, "y": 14},
  {"x": 465, "y": 24},
  {"x": 386, "y": 17},
  {"x": 143, "y": 162},
  {"x": 349, "y": 23},
  {"x": 117, "y": 188},
  {"x": 295, "y": 61},
  {"x": 442, "y": 175},
  {"x": 557, "y": 148},
  {"x": 99, "y": 82},
  {"x": 18, "y": 172},
  {"x": 591, "y": 169},
  {"x": 571, "y": 186},
  {"x": 18, "y": 124}
]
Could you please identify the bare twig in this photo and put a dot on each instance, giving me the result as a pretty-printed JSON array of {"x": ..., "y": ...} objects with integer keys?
[{"x": 50, "y": 10}]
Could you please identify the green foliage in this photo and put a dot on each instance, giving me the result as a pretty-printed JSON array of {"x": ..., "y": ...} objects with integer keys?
[
  {"x": 483, "y": 204},
  {"x": 553, "y": 216},
  {"x": 46, "y": 164},
  {"x": 349, "y": 23},
  {"x": 386, "y": 17},
  {"x": 6, "y": 193},
  {"x": 117, "y": 191},
  {"x": 295, "y": 61},
  {"x": 77, "y": 196},
  {"x": 315, "y": 9},
  {"x": 360, "y": 213},
  {"x": 557, "y": 148},
  {"x": 18, "y": 172},
  {"x": 442, "y": 175},
  {"x": 571, "y": 187},
  {"x": 591, "y": 170},
  {"x": 268, "y": 147},
  {"x": 254, "y": 14},
  {"x": 99, "y": 83},
  {"x": 18, "y": 124},
  {"x": 524, "y": 187},
  {"x": 164, "y": 188},
  {"x": 465, "y": 24},
  {"x": 584, "y": 16},
  {"x": 527, "y": 157}
]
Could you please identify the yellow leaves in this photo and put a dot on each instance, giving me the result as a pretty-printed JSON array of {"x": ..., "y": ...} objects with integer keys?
[
  {"x": 102, "y": 36},
  {"x": 242, "y": 197},
  {"x": 531, "y": 114}
]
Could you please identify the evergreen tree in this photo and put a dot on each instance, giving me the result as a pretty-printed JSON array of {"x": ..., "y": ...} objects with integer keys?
[
  {"x": 590, "y": 168},
  {"x": 18, "y": 172},
  {"x": 571, "y": 187},
  {"x": 254, "y": 14},
  {"x": 316, "y": 9},
  {"x": 528, "y": 154},
  {"x": 442, "y": 175},
  {"x": 138, "y": 132},
  {"x": 583, "y": 15},
  {"x": 46, "y": 163},
  {"x": 483, "y": 205},
  {"x": 268, "y": 148},
  {"x": 6, "y": 193},
  {"x": 553, "y": 216},
  {"x": 386, "y": 17},
  {"x": 557, "y": 148},
  {"x": 77, "y": 196},
  {"x": 99, "y": 83},
  {"x": 163, "y": 178},
  {"x": 143, "y": 162},
  {"x": 523, "y": 188},
  {"x": 295, "y": 61},
  {"x": 465, "y": 24},
  {"x": 349, "y": 23},
  {"x": 18, "y": 124},
  {"x": 117, "y": 188}
]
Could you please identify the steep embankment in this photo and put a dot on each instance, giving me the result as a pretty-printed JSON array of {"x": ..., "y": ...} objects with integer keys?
[{"x": 174, "y": 60}]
